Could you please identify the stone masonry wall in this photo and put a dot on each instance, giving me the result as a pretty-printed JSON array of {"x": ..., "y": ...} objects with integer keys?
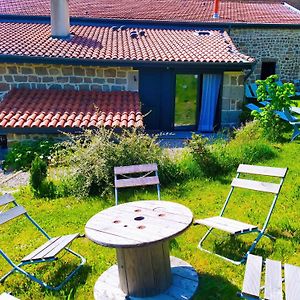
[
  {"x": 278, "y": 44},
  {"x": 232, "y": 98},
  {"x": 66, "y": 77},
  {"x": 12, "y": 138}
]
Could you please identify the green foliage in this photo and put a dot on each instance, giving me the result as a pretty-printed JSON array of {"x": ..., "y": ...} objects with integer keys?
[
  {"x": 204, "y": 156},
  {"x": 91, "y": 157},
  {"x": 279, "y": 98},
  {"x": 219, "y": 280},
  {"x": 38, "y": 179},
  {"x": 38, "y": 175},
  {"x": 247, "y": 146},
  {"x": 22, "y": 154}
]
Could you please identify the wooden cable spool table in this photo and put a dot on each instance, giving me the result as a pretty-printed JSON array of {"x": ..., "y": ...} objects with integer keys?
[{"x": 140, "y": 231}]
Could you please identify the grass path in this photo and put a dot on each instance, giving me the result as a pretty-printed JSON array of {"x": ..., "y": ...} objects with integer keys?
[{"x": 218, "y": 279}]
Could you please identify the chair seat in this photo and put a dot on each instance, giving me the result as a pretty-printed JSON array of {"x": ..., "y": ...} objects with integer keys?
[
  {"x": 228, "y": 225},
  {"x": 273, "y": 287},
  {"x": 51, "y": 248}
]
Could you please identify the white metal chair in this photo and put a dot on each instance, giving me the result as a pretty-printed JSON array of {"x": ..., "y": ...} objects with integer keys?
[
  {"x": 136, "y": 175},
  {"x": 46, "y": 253},
  {"x": 273, "y": 287},
  {"x": 235, "y": 227}
]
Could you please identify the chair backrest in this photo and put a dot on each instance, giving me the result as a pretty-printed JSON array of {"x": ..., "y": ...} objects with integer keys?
[
  {"x": 10, "y": 213},
  {"x": 136, "y": 175},
  {"x": 261, "y": 186}
]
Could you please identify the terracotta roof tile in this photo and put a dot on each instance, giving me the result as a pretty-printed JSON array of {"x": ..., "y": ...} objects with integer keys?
[
  {"x": 75, "y": 109},
  {"x": 244, "y": 11},
  {"x": 34, "y": 40}
]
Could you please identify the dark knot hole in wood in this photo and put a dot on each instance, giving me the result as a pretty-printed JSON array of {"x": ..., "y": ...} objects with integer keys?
[
  {"x": 137, "y": 210},
  {"x": 161, "y": 215},
  {"x": 141, "y": 227},
  {"x": 140, "y": 218},
  {"x": 116, "y": 221}
]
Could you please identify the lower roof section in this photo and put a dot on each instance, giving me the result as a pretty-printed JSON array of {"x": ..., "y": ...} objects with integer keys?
[{"x": 67, "y": 110}]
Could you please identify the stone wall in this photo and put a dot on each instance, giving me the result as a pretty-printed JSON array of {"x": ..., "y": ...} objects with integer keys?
[
  {"x": 232, "y": 98},
  {"x": 67, "y": 77},
  {"x": 12, "y": 138},
  {"x": 276, "y": 44}
]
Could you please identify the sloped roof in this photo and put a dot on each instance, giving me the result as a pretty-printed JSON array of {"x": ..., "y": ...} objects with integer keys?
[
  {"x": 231, "y": 11},
  {"x": 120, "y": 44},
  {"x": 65, "y": 109}
]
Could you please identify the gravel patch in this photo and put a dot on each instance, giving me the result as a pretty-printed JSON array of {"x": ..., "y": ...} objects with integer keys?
[{"x": 13, "y": 179}]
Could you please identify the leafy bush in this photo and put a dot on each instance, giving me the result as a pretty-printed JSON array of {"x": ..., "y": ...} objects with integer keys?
[
  {"x": 279, "y": 97},
  {"x": 22, "y": 154},
  {"x": 246, "y": 146},
  {"x": 91, "y": 157},
  {"x": 204, "y": 156},
  {"x": 38, "y": 179},
  {"x": 38, "y": 174}
]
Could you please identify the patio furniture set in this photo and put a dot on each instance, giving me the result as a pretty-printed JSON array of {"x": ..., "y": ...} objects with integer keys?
[{"x": 140, "y": 232}]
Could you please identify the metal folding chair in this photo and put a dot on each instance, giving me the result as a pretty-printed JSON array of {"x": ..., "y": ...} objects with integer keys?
[
  {"x": 46, "y": 253},
  {"x": 235, "y": 227},
  {"x": 136, "y": 175},
  {"x": 274, "y": 277}
]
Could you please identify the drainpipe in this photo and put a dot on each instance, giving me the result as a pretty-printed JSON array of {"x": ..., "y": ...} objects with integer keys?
[
  {"x": 60, "y": 18},
  {"x": 250, "y": 72},
  {"x": 216, "y": 9}
]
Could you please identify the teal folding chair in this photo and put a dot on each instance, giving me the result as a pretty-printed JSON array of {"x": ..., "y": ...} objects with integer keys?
[
  {"x": 294, "y": 122},
  {"x": 269, "y": 284},
  {"x": 9, "y": 210},
  {"x": 235, "y": 227}
]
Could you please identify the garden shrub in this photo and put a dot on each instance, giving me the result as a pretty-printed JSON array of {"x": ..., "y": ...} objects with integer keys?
[
  {"x": 246, "y": 146},
  {"x": 204, "y": 155},
  {"x": 91, "y": 157},
  {"x": 279, "y": 97},
  {"x": 38, "y": 179},
  {"x": 38, "y": 174},
  {"x": 22, "y": 154}
]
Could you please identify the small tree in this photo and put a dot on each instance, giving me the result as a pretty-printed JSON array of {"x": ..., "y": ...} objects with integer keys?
[
  {"x": 38, "y": 174},
  {"x": 279, "y": 98}
]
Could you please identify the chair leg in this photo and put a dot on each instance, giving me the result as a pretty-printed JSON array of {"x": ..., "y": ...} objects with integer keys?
[
  {"x": 17, "y": 268},
  {"x": 200, "y": 246},
  {"x": 158, "y": 192},
  {"x": 295, "y": 133},
  {"x": 116, "y": 196},
  {"x": 2, "y": 279},
  {"x": 271, "y": 237}
]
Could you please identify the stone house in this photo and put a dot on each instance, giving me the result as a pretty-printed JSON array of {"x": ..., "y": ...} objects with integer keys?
[{"x": 167, "y": 65}]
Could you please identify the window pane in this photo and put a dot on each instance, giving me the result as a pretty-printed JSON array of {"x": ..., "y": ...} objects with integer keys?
[{"x": 186, "y": 100}]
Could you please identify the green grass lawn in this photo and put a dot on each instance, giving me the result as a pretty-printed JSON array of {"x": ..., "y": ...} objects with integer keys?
[{"x": 217, "y": 279}]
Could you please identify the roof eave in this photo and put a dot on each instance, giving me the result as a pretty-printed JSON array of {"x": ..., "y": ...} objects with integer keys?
[
  {"x": 138, "y": 22},
  {"x": 127, "y": 63},
  {"x": 54, "y": 130}
]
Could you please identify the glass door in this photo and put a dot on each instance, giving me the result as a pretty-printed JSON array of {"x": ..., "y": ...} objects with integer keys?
[{"x": 186, "y": 104}]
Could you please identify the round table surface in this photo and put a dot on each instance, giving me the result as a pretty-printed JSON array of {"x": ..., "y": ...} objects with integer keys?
[{"x": 138, "y": 223}]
